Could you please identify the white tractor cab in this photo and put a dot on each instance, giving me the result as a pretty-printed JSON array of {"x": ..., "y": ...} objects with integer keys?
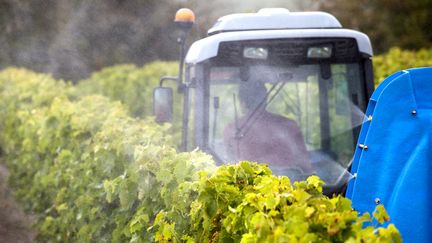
[{"x": 317, "y": 78}]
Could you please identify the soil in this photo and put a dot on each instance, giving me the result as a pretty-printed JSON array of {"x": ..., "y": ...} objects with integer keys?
[{"x": 15, "y": 225}]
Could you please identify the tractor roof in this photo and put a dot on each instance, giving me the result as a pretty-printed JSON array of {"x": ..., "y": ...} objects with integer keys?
[
  {"x": 271, "y": 24},
  {"x": 208, "y": 47},
  {"x": 274, "y": 18}
]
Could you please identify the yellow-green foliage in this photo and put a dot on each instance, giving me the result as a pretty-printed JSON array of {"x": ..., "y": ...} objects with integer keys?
[
  {"x": 82, "y": 165},
  {"x": 91, "y": 173},
  {"x": 131, "y": 85},
  {"x": 246, "y": 203},
  {"x": 397, "y": 59}
]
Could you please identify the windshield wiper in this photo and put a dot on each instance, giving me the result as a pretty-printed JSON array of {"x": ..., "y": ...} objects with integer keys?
[
  {"x": 215, "y": 114},
  {"x": 236, "y": 125},
  {"x": 252, "y": 118}
]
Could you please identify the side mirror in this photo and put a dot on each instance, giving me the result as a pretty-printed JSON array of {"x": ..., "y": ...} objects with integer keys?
[{"x": 163, "y": 104}]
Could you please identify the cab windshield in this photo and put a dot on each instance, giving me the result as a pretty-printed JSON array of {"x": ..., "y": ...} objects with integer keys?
[{"x": 300, "y": 120}]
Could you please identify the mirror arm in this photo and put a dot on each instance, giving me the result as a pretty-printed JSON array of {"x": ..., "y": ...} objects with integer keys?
[
  {"x": 167, "y": 78},
  {"x": 182, "y": 42},
  {"x": 181, "y": 86}
]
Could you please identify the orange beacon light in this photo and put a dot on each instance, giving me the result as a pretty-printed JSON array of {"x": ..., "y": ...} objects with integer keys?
[{"x": 185, "y": 15}]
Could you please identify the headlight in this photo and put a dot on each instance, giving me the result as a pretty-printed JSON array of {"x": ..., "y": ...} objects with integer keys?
[
  {"x": 319, "y": 52},
  {"x": 255, "y": 53}
]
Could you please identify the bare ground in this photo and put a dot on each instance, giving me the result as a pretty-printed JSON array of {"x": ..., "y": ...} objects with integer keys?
[{"x": 15, "y": 225}]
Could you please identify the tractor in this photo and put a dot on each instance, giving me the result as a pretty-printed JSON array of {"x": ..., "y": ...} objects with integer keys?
[{"x": 308, "y": 82}]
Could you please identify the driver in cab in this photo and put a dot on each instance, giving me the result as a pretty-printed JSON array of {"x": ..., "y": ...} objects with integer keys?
[{"x": 265, "y": 137}]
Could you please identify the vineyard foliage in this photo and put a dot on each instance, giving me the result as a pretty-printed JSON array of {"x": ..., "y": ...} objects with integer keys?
[
  {"x": 397, "y": 59},
  {"x": 87, "y": 170},
  {"x": 246, "y": 203},
  {"x": 90, "y": 172},
  {"x": 133, "y": 87}
]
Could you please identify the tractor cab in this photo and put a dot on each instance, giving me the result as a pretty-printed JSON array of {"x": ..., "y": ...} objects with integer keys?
[{"x": 283, "y": 88}]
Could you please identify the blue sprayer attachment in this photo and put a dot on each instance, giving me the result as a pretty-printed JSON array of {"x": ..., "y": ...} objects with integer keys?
[{"x": 393, "y": 160}]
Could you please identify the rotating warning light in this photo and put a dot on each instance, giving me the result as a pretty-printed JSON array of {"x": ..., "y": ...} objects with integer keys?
[{"x": 185, "y": 15}]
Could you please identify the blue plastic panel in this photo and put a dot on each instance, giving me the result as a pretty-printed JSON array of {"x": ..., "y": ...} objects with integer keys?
[{"x": 396, "y": 167}]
